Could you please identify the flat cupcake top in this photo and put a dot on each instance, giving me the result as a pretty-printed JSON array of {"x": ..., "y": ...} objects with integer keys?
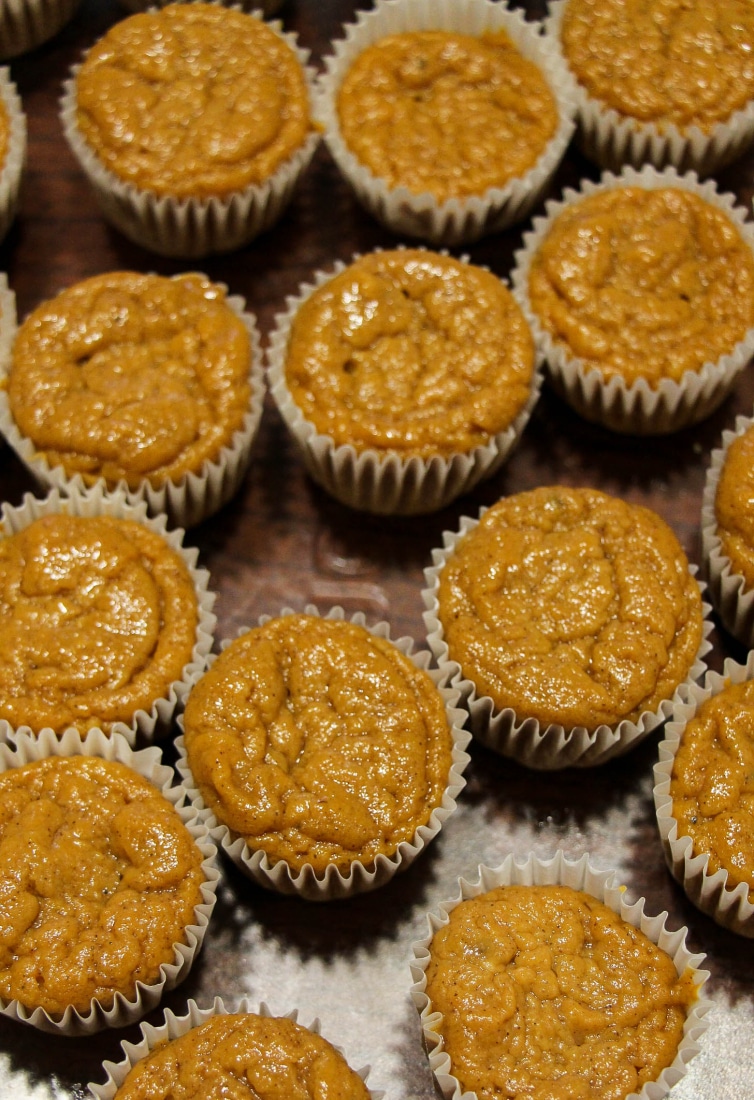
[
  {"x": 131, "y": 377},
  {"x": 712, "y": 783},
  {"x": 450, "y": 114},
  {"x": 410, "y": 351},
  {"x": 100, "y": 878},
  {"x": 545, "y": 991},
  {"x": 734, "y": 505},
  {"x": 318, "y": 742},
  {"x": 193, "y": 100},
  {"x": 244, "y": 1056},
  {"x": 643, "y": 283},
  {"x": 685, "y": 62},
  {"x": 98, "y": 617},
  {"x": 572, "y": 607}
]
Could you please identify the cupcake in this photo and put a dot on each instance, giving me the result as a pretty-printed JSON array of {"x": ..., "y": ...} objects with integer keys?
[
  {"x": 266, "y": 7},
  {"x": 108, "y": 882},
  {"x": 141, "y": 383},
  {"x": 640, "y": 292},
  {"x": 105, "y": 620},
  {"x": 211, "y": 1050},
  {"x": 728, "y": 530},
  {"x": 405, "y": 378},
  {"x": 26, "y": 24},
  {"x": 569, "y": 619},
  {"x": 704, "y": 796},
  {"x": 660, "y": 83},
  {"x": 12, "y": 149},
  {"x": 198, "y": 151},
  {"x": 325, "y": 756},
  {"x": 540, "y": 979},
  {"x": 448, "y": 122}
]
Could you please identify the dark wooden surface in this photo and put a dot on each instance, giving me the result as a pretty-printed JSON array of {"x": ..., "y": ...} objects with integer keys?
[{"x": 283, "y": 542}]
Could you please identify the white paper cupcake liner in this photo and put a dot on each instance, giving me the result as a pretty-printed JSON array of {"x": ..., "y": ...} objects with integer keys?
[
  {"x": 147, "y": 763},
  {"x": 190, "y": 228},
  {"x": 727, "y": 906},
  {"x": 637, "y": 408},
  {"x": 173, "y": 1027},
  {"x": 733, "y": 602},
  {"x": 196, "y": 495},
  {"x": 579, "y": 875},
  {"x": 12, "y": 167},
  {"x": 358, "y": 877},
  {"x": 612, "y": 140},
  {"x": 551, "y": 747},
  {"x": 455, "y": 221},
  {"x": 266, "y": 7},
  {"x": 144, "y": 726},
  {"x": 370, "y": 481},
  {"x": 26, "y": 24},
  {"x": 8, "y": 323}
]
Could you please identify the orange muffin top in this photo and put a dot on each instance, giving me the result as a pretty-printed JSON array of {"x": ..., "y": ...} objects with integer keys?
[{"x": 734, "y": 505}]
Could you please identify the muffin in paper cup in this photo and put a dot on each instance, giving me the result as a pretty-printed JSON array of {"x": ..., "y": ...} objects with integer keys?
[
  {"x": 166, "y": 403},
  {"x": 175, "y": 1027},
  {"x": 715, "y": 867},
  {"x": 190, "y": 216},
  {"x": 266, "y": 7},
  {"x": 12, "y": 150},
  {"x": 318, "y": 837},
  {"x": 139, "y": 997},
  {"x": 65, "y": 607},
  {"x": 652, "y": 398},
  {"x": 731, "y": 582},
  {"x": 580, "y": 876},
  {"x": 612, "y": 138},
  {"x": 539, "y": 739},
  {"x": 426, "y": 214},
  {"x": 363, "y": 406},
  {"x": 26, "y": 24}
]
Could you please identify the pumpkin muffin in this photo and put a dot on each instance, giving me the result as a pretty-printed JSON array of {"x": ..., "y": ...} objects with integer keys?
[
  {"x": 26, "y": 24},
  {"x": 12, "y": 149},
  {"x": 193, "y": 123},
  {"x": 405, "y": 377}
]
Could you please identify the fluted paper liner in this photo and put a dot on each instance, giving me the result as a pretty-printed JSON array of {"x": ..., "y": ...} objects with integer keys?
[
  {"x": 12, "y": 166},
  {"x": 455, "y": 221},
  {"x": 550, "y": 747},
  {"x": 358, "y": 878},
  {"x": 144, "y": 727},
  {"x": 636, "y": 408},
  {"x": 173, "y": 1027},
  {"x": 147, "y": 763},
  {"x": 26, "y": 24},
  {"x": 197, "y": 494},
  {"x": 382, "y": 482},
  {"x": 728, "y": 906},
  {"x": 579, "y": 875},
  {"x": 732, "y": 600},
  {"x": 7, "y": 321}
]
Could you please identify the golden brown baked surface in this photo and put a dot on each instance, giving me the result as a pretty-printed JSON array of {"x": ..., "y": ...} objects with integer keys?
[
  {"x": 734, "y": 505},
  {"x": 642, "y": 283},
  {"x": 546, "y": 992},
  {"x": 712, "y": 783},
  {"x": 571, "y": 606},
  {"x": 685, "y": 62},
  {"x": 446, "y": 113},
  {"x": 193, "y": 100},
  {"x": 244, "y": 1057},
  {"x": 318, "y": 742},
  {"x": 98, "y": 617},
  {"x": 99, "y": 877},
  {"x": 131, "y": 377},
  {"x": 413, "y": 352}
]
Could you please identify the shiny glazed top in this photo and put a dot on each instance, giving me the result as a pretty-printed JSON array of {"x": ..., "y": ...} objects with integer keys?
[
  {"x": 641, "y": 283},
  {"x": 449, "y": 114},
  {"x": 548, "y": 994},
  {"x": 412, "y": 352},
  {"x": 318, "y": 742},
  {"x": 734, "y": 505},
  {"x": 99, "y": 878},
  {"x": 98, "y": 617},
  {"x": 244, "y": 1057},
  {"x": 572, "y": 607},
  {"x": 681, "y": 62},
  {"x": 131, "y": 377},
  {"x": 712, "y": 783},
  {"x": 192, "y": 101}
]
